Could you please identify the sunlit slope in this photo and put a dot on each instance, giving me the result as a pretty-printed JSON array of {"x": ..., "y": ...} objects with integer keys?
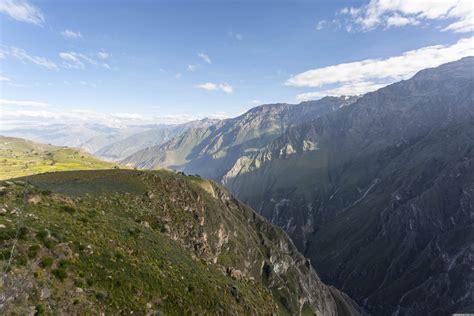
[
  {"x": 123, "y": 241},
  {"x": 20, "y": 157}
]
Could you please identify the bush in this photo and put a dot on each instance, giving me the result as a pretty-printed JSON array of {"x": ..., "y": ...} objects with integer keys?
[
  {"x": 68, "y": 209},
  {"x": 60, "y": 273},
  {"x": 21, "y": 260},
  {"x": 33, "y": 251},
  {"x": 40, "y": 309},
  {"x": 23, "y": 233},
  {"x": 100, "y": 295},
  {"x": 48, "y": 243},
  {"x": 47, "y": 262},
  {"x": 42, "y": 234},
  {"x": 7, "y": 234}
]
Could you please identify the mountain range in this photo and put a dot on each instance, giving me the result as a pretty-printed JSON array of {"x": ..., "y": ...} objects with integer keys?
[{"x": 376, "y": 190}]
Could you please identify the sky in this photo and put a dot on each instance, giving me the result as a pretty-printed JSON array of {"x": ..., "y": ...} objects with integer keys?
[{"x": 133, "y": 62}]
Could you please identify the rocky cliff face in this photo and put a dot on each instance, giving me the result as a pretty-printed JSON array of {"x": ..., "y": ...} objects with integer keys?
[
  {"x": 119, "y": 241},
  {"x": 383, "y": 201},
  {"x": 212, "y": 151}
]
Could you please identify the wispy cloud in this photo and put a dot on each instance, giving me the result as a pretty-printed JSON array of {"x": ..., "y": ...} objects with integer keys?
[
  {"x": 192, "y": 67},
  {"x": 23, "y": 11},
  {"x": 2, "y": 78},
  {"x": 68, "y": 34},
  {"x": 369, "y": 74},
  {"x": 23, "y": 103},
  {"x": 355, "y": 88},
  {"x": 382, "y": 13},
  {"x": 79, "y": 61},
  {"x": 72, "y": 60},
  {"x": 103, "y": 55},
  {"x": 205, "y": 57},
  {"x": 178, "y": 75},
  {"x": 236, "y": 36},
  {"x": 31, "y": 116},
  {"x": 22, "y": 55},
  {"x": 209, "y": 86},
  {"x": 321, "y": 24}
]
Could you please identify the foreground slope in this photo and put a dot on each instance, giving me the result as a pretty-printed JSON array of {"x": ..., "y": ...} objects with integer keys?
[
  {"x": 383, "y": 200},
  {"x": 118, "y": 241},
  {"x": 20, "y": 157}
]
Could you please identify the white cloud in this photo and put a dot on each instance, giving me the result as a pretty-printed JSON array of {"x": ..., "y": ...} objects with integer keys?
[
  {"x": 389, "y": 69},
  {"x": 103, "y": 55},
  {"x": 178, "y": 75},
  {"x": 226, "y": 88},
  {"x": 22, "y": 55},
  {"x": 23, "y": 103},
  {"x": 22, "y": 11},
  {"x": 458, "y": 13},
  {"x": 192, "y": 67},
  {"x": 71, "y": 34},
  {"x": 209, "y": 86},
  {"x": 205, "y": 57},
  {"x": 2, "y": 78},
  {"x": 236, "y": 36},
  {"x": 72, "y": 60},
  {"x": 321, "y": 24},
  {"x": 356, "y": 88},
  {"x": 79, "y": 61},
  {"x": 35, "y": 118}
]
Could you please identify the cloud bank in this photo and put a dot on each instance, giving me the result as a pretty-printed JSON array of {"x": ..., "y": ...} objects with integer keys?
[
  {"x": 370, "y": 74},
  {"x": 22, "y": 11},
  {"x": 395, "y": 13}
]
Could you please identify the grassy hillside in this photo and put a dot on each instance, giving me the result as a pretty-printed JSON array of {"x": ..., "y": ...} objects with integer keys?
[
  {"x": 20, "y": 157},
  {"x": 123, "y": 241}
]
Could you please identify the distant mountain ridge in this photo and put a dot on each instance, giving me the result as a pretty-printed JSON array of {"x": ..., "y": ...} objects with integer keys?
[
  {"x": 212, "y": 151},
  {"x": 125, "y": 147},
  {"x": 106, "y": 142}
]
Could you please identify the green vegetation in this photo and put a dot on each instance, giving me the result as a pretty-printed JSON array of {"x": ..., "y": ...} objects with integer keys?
[
  {"x": 19, "y": 157},
  {"x": 122, "y": 241}
]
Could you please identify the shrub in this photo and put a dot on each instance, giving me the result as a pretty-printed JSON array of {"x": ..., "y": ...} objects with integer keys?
[
  {"x": 40, "y": 309},
  {"x": 42, "y": 234},
  {"x": 7, "y": 234},
  {"x": 60, "y": 273},
  {"x": 47, "y": 262},
  {"x": 48, "y": 243},
  {"x": 33, "y": 251},
  {"x": 68, "y": 209},
  {"x": 23, "y": 233}
]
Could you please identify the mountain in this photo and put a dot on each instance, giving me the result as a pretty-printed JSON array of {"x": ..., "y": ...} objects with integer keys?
[
  {"x": 20, "y": 157},
  {"x": 380, "y": 194},
  {"x": 125, "y": 147},
  {"x": 148, "y": 242},
  {"x": 90, "y": 137},
  {"x": 213, "y": 150}
]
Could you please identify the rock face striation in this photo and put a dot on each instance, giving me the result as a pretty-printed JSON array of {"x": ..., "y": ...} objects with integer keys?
[
  {"x": 122, "y": 241},
  {"x": 377, "y": 190},
  {"x": 382, "y": 198},
  {"x": 212, "y": 151}
]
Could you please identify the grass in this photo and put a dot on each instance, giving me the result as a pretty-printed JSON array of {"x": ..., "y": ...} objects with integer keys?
[
  {"x": 19, "y": 157},
  {"x": 99, "y": 242}
]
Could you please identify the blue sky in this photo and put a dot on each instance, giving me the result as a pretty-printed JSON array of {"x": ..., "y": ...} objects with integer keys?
[{"x": 178, "y": 60}]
